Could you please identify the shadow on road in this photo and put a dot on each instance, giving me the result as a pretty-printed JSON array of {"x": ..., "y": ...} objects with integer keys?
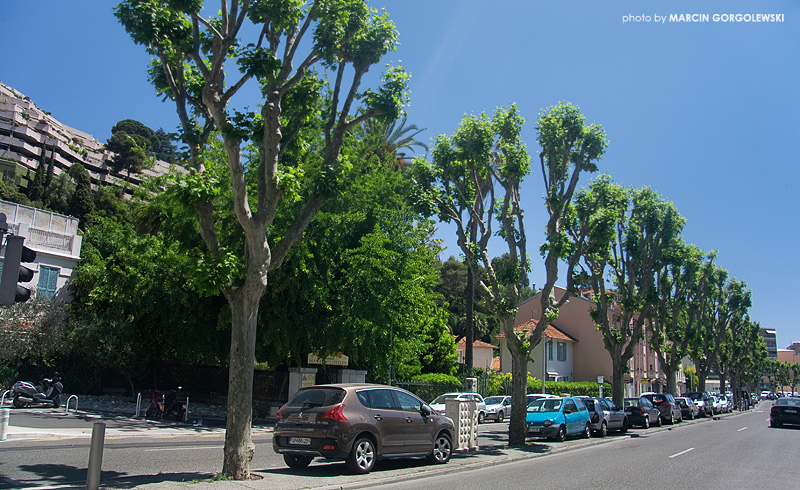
[{"x": 56, "y": 474}]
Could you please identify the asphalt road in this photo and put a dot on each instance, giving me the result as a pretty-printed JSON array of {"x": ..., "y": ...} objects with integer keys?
[{"x": 139, "y": 454}]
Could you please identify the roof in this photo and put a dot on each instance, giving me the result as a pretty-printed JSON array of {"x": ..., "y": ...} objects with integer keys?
[
  {"x": 551, "y": 332},
  {"x": 477, "y": 343}
]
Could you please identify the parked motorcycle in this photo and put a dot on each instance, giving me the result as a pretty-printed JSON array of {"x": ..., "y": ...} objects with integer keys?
[
  {"x": 47, "y": 392},
  {"x": 164, "y": 407}
]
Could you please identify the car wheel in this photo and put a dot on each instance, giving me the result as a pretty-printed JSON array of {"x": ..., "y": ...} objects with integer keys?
[
  {"x": 442, "y": 449},
  {"x": 603, "y": 429},
  {"x": 646, "y": 423},
  {"x": 562, "y": 434},
  {"x": 587, "y": 432},
  {"x": 658, "y": 421},
  {"x": 671, "y": 419},
  {"x": 500, "y": 416},
  {"x": 624, "y": 427},
  {"x": 297, "y": 462},
  {"x": 361, "y": 459},
  {"x": 481, "y": 417},
  {"x": 691, "y": 415}
]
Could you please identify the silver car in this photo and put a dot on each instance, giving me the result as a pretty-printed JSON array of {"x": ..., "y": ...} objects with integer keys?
[
  {"x": 604, "y": 416},
  {"x": 498, "y": 407}
]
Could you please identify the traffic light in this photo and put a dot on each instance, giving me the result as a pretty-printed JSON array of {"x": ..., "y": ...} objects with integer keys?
[{"x": 14, "y": 272}]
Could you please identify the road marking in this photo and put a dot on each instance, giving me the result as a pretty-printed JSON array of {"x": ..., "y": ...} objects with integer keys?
[
  {"x": 743, "y": 428},
  {"x": 682, "y": 452},
  {"x": 182, "y": 448}
]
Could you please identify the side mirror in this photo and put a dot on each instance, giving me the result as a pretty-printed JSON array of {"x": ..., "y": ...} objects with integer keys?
[{"x": 425, "y": 410}]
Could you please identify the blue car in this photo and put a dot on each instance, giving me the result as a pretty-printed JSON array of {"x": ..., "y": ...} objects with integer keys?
[{"x": 557, "y": 418}]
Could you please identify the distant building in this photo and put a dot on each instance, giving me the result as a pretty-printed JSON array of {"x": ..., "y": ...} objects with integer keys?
[
  {"x": 54, "y": 238},
  {"x": 770, "y": 337},
  {"x": 30, "y": 136},
  {"x": 482, "y": 354}
]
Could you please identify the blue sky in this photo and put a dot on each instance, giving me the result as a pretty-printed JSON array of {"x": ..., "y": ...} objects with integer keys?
[{"x": 706, "y": 113}]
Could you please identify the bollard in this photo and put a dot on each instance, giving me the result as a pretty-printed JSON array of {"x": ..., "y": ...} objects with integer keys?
[
  {"x": 95, "y": 456},
  {"x": 138, "y": 405},
  {"x": 186, "y": 410},
  {"x": 4, "y": 424}
]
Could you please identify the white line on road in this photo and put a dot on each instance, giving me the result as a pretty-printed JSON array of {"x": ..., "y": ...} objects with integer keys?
[
  {"x": 682, "y": 452},
  {"x": 743, "y": 428},
  {"x": 182, "y": 448}
]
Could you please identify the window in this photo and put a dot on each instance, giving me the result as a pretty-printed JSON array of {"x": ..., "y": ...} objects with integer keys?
[
  {"x": 550, "y": 350},
  {"x": 562, "y": 351},
  {"x": 48, "y": 280},
  {"x": 408, "y": 403}
]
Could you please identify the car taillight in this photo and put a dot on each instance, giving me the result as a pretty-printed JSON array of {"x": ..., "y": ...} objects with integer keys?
[
  {"x": 595, "y": 417},
  {"x": 775, "y": 410},
  {"x": 279, "y": 415},
  {"x": 641, "y": 411},
  {"x": 336, "y": 414}
]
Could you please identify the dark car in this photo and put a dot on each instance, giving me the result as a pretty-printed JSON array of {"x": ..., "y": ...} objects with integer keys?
[
  {"x": 360, "y": 423},
  {"x": 666, "y": 404},
  {"x": 785, "y": 411},
  {"x": 703, "y": 401},
  {"x": 605, "y": 416},
  {"x": 641, "y": 412},
  {"x": 689, "y": 408}
]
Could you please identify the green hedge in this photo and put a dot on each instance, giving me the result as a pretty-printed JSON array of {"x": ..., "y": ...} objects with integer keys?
[{"x": 500, "y": 384}]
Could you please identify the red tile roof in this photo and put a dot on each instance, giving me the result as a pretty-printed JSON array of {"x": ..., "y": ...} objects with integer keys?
[{"x": 550, "y": 332}]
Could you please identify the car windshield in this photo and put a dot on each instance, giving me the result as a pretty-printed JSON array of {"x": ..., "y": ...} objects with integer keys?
[
  {"x": 442, "y": 398},
  {"x": 545, "y": 405},
  {"x": 631, "y": 402},
  {"x": 317, "y": 397},
  {"x": 494, "y": 400},
  {"x": 694, "y": 396},
  {"x": 789, "y": 402},
  {"x": 681, "y": 402}
]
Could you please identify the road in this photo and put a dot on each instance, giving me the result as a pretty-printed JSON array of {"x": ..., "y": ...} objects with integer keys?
[{"x": 725, "y": 452}]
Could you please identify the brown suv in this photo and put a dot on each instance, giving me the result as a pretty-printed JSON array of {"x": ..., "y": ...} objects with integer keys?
[{"x": 360, "y": 423}]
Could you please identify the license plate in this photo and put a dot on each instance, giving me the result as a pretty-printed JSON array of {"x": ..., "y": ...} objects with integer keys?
[
  {"x": 791, "y": 411},
  {"x": 300, "y": 441},
  {"x": 535, "y": 429}
]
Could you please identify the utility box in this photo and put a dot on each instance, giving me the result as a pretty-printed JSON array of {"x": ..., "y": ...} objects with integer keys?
[{"x": 465, "y": 418}]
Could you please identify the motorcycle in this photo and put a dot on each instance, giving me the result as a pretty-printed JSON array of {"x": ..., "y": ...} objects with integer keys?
[
  {"x": 48, "y": 392},
  {"x": 163, "y": 407}
]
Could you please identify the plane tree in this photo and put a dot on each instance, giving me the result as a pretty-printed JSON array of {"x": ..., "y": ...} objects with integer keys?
[
  {"x": 634, "y": 236},
  {"x": 681, "y": 288},
  {"x": 201, "y": 60}
]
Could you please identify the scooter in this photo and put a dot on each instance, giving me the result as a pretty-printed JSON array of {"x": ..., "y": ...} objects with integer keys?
[
  {"x": 48, "y": 391},
  {"x": 164, "y": 407}
]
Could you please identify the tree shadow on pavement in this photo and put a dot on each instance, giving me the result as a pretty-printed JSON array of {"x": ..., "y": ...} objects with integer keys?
[{"x": 58, "y": 474}]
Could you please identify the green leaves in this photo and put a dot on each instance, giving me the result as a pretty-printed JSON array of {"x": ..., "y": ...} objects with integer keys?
[{"x": 216, "y": 273}]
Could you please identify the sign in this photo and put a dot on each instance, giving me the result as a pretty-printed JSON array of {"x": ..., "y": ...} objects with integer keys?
[
  {"x": 308, "y": 379},
  {"x": 335, "y": 359},
  {"x": 600, "y": 380}
]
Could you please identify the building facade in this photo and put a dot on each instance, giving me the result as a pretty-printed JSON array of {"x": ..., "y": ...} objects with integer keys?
[{"x": 54, "y": 238}]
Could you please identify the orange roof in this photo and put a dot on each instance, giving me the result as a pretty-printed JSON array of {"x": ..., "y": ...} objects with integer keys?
[
  {"x": 477, "y": 343},
  {"x": 495, "y": 364},
  {"x": 550, "y": 332}
]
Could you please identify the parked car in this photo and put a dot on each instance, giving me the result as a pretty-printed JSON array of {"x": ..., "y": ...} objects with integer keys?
[
  {"x": 785, "y": 411},
  {"x": 642, "y": 412},
  {"x": 665, "y": 403},
  {"x": 703, "y": 401},
  {"x": 439, "y": 402},
  {"x": 531, "y": 397},
  {"x": 498, "y": 407},
  {"x": 726, "y": 403},
  {"x": 716, "y": 404},
  {"x": 360, "y": 423},
  {"x": 604, "y": 416},
  {"x": 557, "y": 418},
  {"x": 689, "y": 409}
]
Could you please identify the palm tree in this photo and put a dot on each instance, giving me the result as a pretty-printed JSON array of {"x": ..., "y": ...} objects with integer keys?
[{"x": 392, "y": 137}]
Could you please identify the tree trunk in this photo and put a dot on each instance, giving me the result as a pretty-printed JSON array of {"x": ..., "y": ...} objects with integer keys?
[
  {"x": 239, "y": 447},
  {"x": 617, "y": 381},
  {"x": 672, "y": 383},
  {"x": 517, "y": 428}
]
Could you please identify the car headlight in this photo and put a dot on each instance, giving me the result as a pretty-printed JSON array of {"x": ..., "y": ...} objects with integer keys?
[{"x": 548, "y": 423}]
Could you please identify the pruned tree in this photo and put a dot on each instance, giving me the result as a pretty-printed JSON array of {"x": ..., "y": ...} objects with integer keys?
[
  {"x": 636, "y": 235},
  {"x": 194, "y": 53}
]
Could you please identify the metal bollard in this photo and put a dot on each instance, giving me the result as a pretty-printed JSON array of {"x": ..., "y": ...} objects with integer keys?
[
  {"x": 4, "y": 424},
  {"x": 138, "y": 405},
  {"x": 95, "y": 456}
]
